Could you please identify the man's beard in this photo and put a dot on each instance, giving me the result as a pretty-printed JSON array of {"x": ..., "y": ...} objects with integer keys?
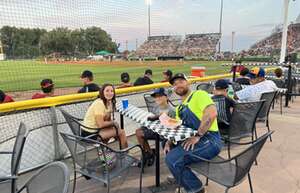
[{"x": 183, "y": 93}]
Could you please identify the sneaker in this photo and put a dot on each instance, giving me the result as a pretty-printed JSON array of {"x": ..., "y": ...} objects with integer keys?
[
  {"x": 171, "y": 179},
  {"x": 182, "y": 190}
]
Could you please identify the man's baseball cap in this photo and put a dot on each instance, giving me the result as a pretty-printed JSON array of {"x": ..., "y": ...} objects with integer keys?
[
  {"x": 168, "y": 73},
  {"x": 86, "y": 74},
  {"x": 160, "y": 92},
  {"x": 256, "y": 73},
  {"x": 148, "y": 71},
  {"x": 46, "y": 83},
  {"x": 177, "y": 76},
  {"x": 221, "y": 84}
]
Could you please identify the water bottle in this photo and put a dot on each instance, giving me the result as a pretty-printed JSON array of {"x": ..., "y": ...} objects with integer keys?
[{"x": 230, "y": 91}]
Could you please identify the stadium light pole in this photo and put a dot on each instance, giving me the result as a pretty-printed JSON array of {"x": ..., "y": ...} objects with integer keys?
[
  {"x": 220, "y": 26},
  {"x": 284, "y": 30},
  {"x": 148, "y": 3}
]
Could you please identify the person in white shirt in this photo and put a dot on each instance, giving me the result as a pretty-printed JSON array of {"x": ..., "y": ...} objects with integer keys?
[{"x": 258, "y": 86}]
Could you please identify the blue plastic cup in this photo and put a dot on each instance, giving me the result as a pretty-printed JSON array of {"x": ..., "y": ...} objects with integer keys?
[{"x": 125, "y": 103}]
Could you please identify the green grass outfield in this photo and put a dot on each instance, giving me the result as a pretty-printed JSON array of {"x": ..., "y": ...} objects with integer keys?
[{"x": 23, "y": 75}]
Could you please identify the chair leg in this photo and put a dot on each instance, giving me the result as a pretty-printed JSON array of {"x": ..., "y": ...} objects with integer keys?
[
  {"x": 227, "y": 189},
  {"x": 206, "y": 183},
  {"x": 250, "y": 183},
  {"x": 268, "y": 126},
  {"x": 228, "y": 150},
  {"x": 141, "y": 179},
  {"x": 74, "y": 183}
]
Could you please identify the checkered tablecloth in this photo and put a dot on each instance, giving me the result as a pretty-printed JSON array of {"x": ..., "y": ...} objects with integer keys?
[{"x": 140, "y": 116}]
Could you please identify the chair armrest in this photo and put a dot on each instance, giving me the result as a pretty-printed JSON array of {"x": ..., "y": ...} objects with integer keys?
[
  {"x": 6, "y": 152},
  {"x": 129, "y": 148},
  {"x": 237, "y": 143},
  {"x": 7, "y": 178},
  {"x": 210, "y": 161}
]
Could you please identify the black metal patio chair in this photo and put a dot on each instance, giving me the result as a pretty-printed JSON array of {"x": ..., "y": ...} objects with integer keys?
[
  {"x": 242, "y": 123},
  {"x": 52, "y": 178},
  {"x": 8, "y": 183},
  {"x": 231, "y": 172},
  {"x": 96, "y": 160},
  {"x": 263, "y": 115}
]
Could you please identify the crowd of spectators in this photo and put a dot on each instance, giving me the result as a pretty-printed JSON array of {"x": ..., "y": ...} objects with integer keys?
[
  {"x": 192, "y": 45},
  {"x": 272, "y": 43}
]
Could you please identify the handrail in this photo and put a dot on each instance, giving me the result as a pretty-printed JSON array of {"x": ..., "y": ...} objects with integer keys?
[{"x": 66, "y": 99}]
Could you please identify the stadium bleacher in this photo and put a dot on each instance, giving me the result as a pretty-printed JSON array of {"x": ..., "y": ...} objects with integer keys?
[
  {"x": 192, "y": 45},
  {"x": 272, "y": 43}
]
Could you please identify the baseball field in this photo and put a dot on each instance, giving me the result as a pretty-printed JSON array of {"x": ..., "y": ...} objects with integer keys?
[{"x": 25, "y": 75}]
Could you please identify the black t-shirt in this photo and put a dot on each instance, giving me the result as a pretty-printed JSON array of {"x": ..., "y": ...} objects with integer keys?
[
  {"x": 243, "y": 81},
  {"x": 143, "y": 81},
  {"x": 89, "y": 88}
]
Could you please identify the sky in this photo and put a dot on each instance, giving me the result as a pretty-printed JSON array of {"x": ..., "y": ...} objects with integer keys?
[{"x": 126, "y": 20}]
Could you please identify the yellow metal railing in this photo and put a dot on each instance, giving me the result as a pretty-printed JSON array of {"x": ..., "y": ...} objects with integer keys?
[{"x": 66, "y": 99}]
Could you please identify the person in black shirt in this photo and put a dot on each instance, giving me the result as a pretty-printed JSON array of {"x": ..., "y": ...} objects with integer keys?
[
  {"x": 146, "y": 79},
  {"x": 224, "y": 105},
  {"x": 88, "y": 85},
  {"x": 243, "y": 80}
]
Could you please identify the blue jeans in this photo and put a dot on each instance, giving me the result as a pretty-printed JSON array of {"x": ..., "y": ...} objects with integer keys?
[{"x": 178, "y": 160}]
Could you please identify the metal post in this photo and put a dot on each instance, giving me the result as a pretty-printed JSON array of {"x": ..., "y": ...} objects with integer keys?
[
  {"x": 284, "y": 31},
  {"x": 232, "y": 41},
  {"x": 149, "y": 26},
  {"x": 157, "y": 162},
  {"x": 289, "y": 86},
  {"x": 220, "y": 27},
  {"x": 57, "y": 152},
  {"x": 121, "y": 121},
  {"x": 234, "y": 72}
]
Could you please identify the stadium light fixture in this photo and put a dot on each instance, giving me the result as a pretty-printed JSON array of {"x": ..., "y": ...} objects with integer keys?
[
  {"x": 149, "y": 3},
  {"x": 284, "y": 30}
]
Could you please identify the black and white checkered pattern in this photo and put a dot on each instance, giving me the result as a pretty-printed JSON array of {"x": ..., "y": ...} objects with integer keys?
[{"x": 140, "y": 116}]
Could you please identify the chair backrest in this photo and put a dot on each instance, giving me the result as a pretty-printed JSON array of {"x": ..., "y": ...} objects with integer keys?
[
  {"x": 53, "y": 178},
  {"x": 80, "y": 146},
  {"x": 279, "y": 83},
  {"x": 208, "y": 87},
  {"x": 245, "y": 159},
  {"x": 236, "y": 86},
  {"x": 18, "y": 149},
  {"x": 150, "y": 103},
  {"x": 269, "y": 98},
  {"x": 243, "y": 119},
  {"x": 72, "y": 122},
  {"x": 221, "y": 109}
]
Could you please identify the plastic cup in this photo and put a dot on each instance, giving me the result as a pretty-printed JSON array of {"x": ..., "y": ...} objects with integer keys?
[{"x": 125, "y": 103}]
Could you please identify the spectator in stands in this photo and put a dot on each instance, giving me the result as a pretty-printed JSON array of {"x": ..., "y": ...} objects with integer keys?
[
  {"x": 4, "y": 98},
  {"x": 88, "y": 85},
  {"x": 258, "y": 86},
  {"x": 224, "y": 105},
  {"x": 279, "y": 79},
  {"x": 47, "y": 87},
  {"x": 199, "y": 113},
  {"x": 243, "y": 79},
  {"x": 100, "y": 117},
  {"x": 125, "y": 80},
  {"x": 146, "y": 79},
  {"x": 144, "y": 134},
  {"x": 167, "y": 76}
]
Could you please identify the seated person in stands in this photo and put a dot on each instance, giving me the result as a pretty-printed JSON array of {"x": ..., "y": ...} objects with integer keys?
[
  {"x": 125, "y": 79},
  {"x": 167, "y": 76},
  {"x": 98, "y": 118},
  {"x": 144, "y": 134},
  {"x": 47, "y": 87},
  {"x": 279, "y": 79},
  {"x": 258, "y": 86},
  {"x": 4, "y": 98},
  {"x": 224, "y": 105},
  {"x": 243, "y": 79},
  {"x": 146, "y": 79},
  {"x": 88, "y": 85}
]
